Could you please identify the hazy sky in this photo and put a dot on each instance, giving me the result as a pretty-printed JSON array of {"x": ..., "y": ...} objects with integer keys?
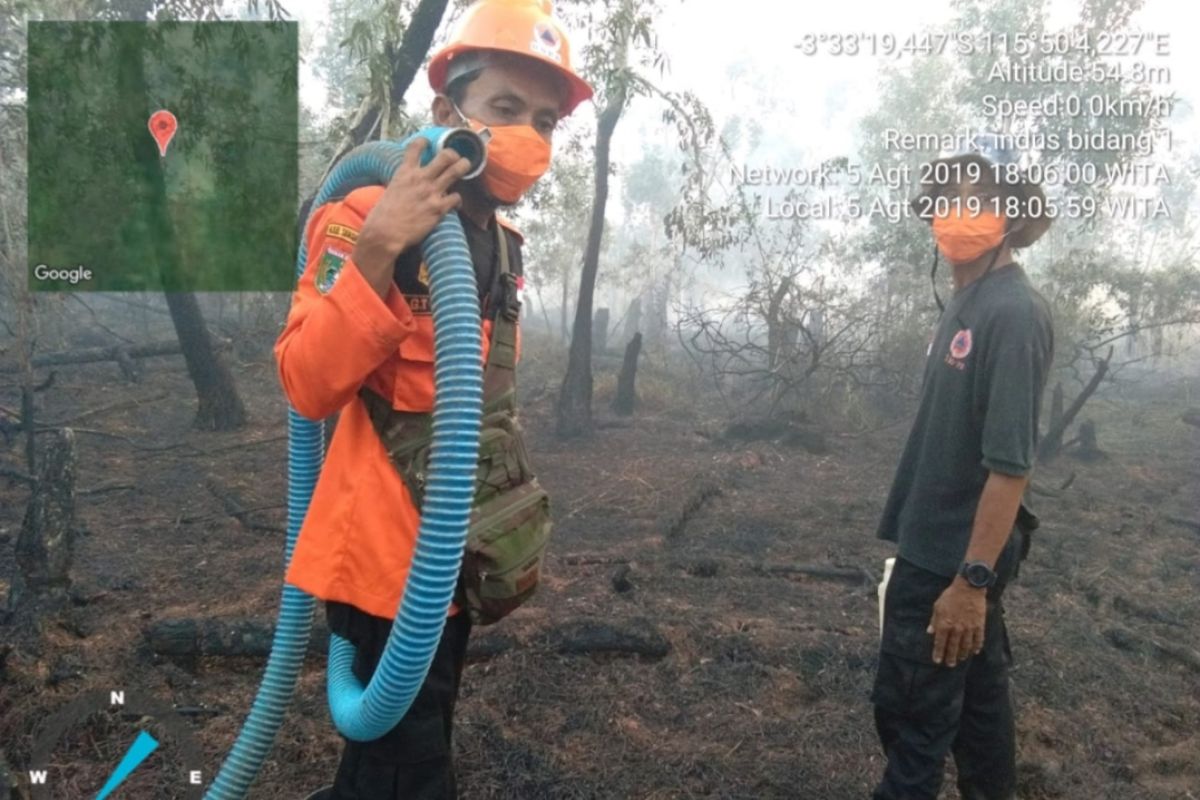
[
  {"x": 706, "y": 39},
  {"x": 741, "y": 60},
  {"x": 745, "y": 63}
]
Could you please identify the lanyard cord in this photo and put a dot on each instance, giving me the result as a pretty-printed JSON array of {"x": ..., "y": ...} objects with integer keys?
[{"x": 933, "y": 272}]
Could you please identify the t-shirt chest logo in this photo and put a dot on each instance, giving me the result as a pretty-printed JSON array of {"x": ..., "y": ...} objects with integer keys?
[
  {"x": 960, "y": 348},
  {"x": 414, "y": 285}
]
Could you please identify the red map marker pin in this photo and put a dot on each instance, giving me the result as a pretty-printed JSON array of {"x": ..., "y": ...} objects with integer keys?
[{"x": 162, "y": 128}]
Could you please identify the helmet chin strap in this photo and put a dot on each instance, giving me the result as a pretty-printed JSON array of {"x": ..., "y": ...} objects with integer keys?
[{"x": 485, "y": 132}]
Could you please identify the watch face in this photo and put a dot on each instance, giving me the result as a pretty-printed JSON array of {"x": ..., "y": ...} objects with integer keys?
[{"x": 978, "y": 575}]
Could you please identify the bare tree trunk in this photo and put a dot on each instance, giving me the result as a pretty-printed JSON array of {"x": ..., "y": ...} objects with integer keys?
[
  {"x": 1051, "y": 443},
  {"x": 1056, "y": 407},
  {"x": 562, "y": 310},
  {"x": 405, "y": 62},
  {"x": 775, "y": 325},
  {"x": 600, "y": 330},
  {"x": 220, "y": 407},
  {"x": 575, "y": 398},
  {"x": 28, "y": 412},
  {"x": 23, "y": 300}
]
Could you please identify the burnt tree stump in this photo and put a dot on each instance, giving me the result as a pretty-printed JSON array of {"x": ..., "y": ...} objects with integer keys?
[
  {"x": 633, "y": 319},
  {"x": 1089, "y": 450},
  {"x": 46, "y": 544},
  {"x": 626, "y": 397}
]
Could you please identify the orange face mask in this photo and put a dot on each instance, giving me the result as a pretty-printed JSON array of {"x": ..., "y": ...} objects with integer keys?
[
  {"x": 962, "y": 238},
  {"x": 517, "y": 156}
]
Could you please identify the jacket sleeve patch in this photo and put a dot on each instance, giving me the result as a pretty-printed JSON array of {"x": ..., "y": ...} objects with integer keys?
[
  {"x": 329, "y": 267},
  {"x": 343, "y": 232}
]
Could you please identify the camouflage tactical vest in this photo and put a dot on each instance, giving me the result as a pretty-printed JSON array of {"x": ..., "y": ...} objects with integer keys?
[{"x": 510, "y": 515}]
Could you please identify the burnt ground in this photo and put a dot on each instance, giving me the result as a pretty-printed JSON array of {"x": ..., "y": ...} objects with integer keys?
[{"x": 763, "y": 692}]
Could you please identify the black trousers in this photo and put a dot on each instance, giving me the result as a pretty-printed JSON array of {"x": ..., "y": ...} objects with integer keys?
[
  {"x": 924, "y": 711},
  {"x": 412, "y": 761}
]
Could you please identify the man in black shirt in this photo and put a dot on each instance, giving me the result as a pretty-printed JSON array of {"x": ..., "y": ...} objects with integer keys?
[{"x": 942, "y": 684}]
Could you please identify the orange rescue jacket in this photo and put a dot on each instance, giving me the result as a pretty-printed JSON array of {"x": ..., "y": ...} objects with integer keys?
[{"x": 357, "y": 540}]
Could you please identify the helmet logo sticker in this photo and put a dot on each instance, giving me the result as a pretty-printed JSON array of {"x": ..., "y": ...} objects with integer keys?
[{"x": 546, "y": 41}]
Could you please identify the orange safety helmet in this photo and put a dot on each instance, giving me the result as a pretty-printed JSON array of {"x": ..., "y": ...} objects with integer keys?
[{"x": 524, "y": 27}]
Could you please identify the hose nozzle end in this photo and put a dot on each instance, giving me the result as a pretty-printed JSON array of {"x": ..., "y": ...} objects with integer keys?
[{"x": 468, "y": 144}]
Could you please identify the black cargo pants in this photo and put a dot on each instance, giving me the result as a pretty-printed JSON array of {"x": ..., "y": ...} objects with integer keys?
[
  {"x": 412, "y": 761},
  {"x": 924, "y": 711}
]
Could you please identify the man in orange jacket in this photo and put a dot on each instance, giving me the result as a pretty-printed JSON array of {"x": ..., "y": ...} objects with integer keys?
[{"x": 360, "y": 317}]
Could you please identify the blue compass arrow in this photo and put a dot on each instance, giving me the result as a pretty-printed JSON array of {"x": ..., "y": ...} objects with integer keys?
[{"x": 138, "y": 752}]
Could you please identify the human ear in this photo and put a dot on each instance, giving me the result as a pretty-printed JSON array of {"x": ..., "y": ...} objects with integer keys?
[{"x": 444, "y": 114}]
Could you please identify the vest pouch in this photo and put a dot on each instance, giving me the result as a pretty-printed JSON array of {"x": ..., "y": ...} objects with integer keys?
[
  {"x": 510, "y": 516},
  {"x": 407, "y": 438},
  {"x": 499, "y": 466},
  {"x": 506, "y": 544}
]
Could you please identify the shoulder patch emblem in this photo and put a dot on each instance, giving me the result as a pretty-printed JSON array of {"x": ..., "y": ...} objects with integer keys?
[
  {"x": 423, "y": 274},
  {"x": 960, "y": 345},
  {"x": 343, "y": 232},
  {"x": 329, "y": 267}
]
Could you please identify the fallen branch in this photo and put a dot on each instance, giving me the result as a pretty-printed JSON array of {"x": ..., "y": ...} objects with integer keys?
[
  {"x": 241, "y": 445},
  {"x": 704, "y": 487},
  {"x": 235, "y": 507},
  {"x": 1191, "y": 525},
  {"x": 488, "y": 646},
  {"x": 147, "y": 448},
  {"x": 102, "y": 409},
  {"x": 17, "y": 475},
  {"x": 593, "y": 637},
  {"x": 198, "y": 711},
  {"x": 191, "y": 637},
  {"x": 1130, "y": 642},
  {"x": 91, "y": 355},
  {"x": 1034, "y": 488},
  {"x": 1126, "y": 606},
  {"x": 820, "y": 571},
  {"x": 592, "y": 561},
  {"x": 108, "y": 487}
]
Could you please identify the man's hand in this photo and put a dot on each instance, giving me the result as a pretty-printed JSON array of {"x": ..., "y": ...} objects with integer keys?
[
  {"x": 415, "y": 199},
  {"x": 957, "y": 622}
]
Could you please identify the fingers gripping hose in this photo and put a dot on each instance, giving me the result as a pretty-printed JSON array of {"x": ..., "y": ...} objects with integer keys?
[{"x": 366, "y": 713}]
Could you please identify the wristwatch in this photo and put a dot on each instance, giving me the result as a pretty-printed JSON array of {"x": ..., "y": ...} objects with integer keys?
[{"x": 978, "y": 574}]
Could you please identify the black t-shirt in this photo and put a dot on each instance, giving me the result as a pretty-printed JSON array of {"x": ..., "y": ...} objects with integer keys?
[
  {"x": 413, "y": 280},
  {"x": 984, "y": 377}
]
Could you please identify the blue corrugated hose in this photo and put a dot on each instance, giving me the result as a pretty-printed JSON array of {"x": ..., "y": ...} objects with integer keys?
[{"x": 365, "y": 713}]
